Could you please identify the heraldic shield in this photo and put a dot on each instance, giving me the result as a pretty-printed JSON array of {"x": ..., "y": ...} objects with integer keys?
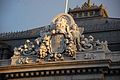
[
  {"x": 58, "y": 43},
  {"x": 61, "y": 38}
]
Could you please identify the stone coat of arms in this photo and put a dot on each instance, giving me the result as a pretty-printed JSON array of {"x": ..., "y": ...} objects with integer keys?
[{"x": 65, "y": 39}]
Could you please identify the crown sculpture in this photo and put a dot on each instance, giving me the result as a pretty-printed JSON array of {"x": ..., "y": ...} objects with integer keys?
[{"x": 65, "y": 41}]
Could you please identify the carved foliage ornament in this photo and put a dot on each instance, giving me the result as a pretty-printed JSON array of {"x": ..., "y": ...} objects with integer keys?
[
  {"x": 61, "y": 40},
  {"x": 65, "y": 39}
]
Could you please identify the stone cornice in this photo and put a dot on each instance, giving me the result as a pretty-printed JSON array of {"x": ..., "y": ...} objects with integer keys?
[
  {"x": 55, "y": 65},
  {"x": 62, "y": 68}
]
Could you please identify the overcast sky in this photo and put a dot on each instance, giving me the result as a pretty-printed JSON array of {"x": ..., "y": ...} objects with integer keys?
[{"x": 18, "y": 15}]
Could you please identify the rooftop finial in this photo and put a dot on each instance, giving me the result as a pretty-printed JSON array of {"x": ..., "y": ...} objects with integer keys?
[{"x": 89, "y": 2}]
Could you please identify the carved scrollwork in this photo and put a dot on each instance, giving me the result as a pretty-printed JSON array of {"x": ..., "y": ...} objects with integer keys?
[
  {"x": 23, "y": 60},
  {"x": 64, "y": 40}
]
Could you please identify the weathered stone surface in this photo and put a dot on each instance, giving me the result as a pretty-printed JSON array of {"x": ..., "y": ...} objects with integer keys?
[{"x": 65, "y": 40}]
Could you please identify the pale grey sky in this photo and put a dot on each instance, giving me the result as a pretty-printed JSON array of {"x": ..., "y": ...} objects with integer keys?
[{"x": 18, "y": 15}]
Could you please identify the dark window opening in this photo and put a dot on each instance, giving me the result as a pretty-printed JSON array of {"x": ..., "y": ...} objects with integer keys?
[
  {"x": 80, "y": 14},
  {"x": 85, "y": 13},
  {"x": 91, "y": 13},
  {"x": 96, "y": 13},
  {"x": 75, "y": 15}
]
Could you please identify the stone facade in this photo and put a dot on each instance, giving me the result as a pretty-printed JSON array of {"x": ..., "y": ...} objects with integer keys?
[
  {"x": 64, "y": 50},
  {"x": 56, "y": 59},
  {"x": 88, "y": 10},
  {"x": 63, "y": 70},
  {"x": 99, "y": 26}
]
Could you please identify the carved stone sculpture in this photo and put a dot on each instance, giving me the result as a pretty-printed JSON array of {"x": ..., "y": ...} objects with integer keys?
[
  {"x": 43, "y": 51},
  {"x": 60, "y": 38},
  {"x": 65, "y": 39},
  {"x": 16, "y": 52},
  {"x": 28, "y": 48}
]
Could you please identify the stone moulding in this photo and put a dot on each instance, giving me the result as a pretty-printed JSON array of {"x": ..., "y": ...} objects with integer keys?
[
  {"x": 55, "y": 65},
  {"x": 59, "y": 68}
]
